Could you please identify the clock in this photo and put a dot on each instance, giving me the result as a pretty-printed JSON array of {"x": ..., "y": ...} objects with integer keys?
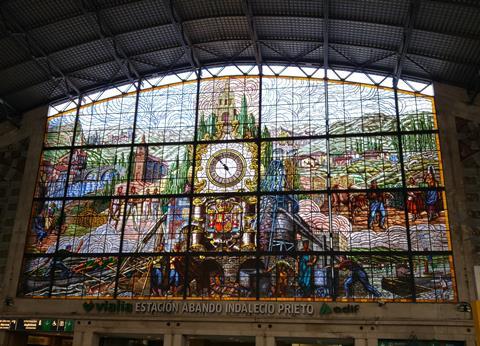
[{"x": 226, "y": 168}]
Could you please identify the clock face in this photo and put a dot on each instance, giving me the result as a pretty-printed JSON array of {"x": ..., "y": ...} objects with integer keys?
[{"x": 226, "y": 168}]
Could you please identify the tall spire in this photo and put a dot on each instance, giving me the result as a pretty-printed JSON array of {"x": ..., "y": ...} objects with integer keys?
[
  {"x": 226, "y": 96},
  {"x": 226, "y": 104}
]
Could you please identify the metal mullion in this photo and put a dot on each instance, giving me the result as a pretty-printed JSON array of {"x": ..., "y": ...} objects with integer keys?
[
  {"x": 248, "y": 253},
  {"x": 329, "y": 183},
  {"x": 315, "y": 191},
  {"x": 258, "y": 192},
  {"x": 351, "y": 135},
  {"x": 120, "y": 145},
  {"x": 404, "y": 195},
  {"x": 191, "y": 194},
  {"x": 127, "y": 192},
  {"x": 63, "y": 199},
  {"x": 244, "y": 193},
  {"x": 251, "y": 140},
  {"x": 226, "y": 141}
]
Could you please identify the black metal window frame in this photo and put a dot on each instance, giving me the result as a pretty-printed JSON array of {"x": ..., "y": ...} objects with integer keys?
[{"x": 329, "y": 256}]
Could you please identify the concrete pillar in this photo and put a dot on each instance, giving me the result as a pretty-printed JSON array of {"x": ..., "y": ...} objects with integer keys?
[
  {"x": 270, "y": 341},
  {"x": 476, "y": 319},
  {"x": 452, "y": 103},
  {"x": 85, "y": 338},
  {"x": 470, "y": 342},
  {"x": 3, "y": 338},
  {"x": 33, "y": 125},
  {"x": 178, "y": 340},
  {"x": 168, "y": 340},
  {"x": 260, "y": 340},
  {"x": 361, "y": 342}
]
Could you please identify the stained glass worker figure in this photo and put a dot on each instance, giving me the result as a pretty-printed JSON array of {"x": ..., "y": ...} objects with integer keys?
[
  {"x": 305, "y": 264},
  {"x": 155, "y": 204},
  {"x": 376, "y": 206},
  {"x": 147, "y": 204},
  {"x": 414, "y": 201},
  {"x": 116, "y": 206},
  {"x": 357, "y": 273},
  {"x": 132, "y": 206},
  {"x": 38, "y": 227},
  {"x": 431, "y": 197}
]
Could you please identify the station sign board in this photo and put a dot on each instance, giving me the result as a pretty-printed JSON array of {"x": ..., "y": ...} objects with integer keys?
[{"x": 43, "y": 325}]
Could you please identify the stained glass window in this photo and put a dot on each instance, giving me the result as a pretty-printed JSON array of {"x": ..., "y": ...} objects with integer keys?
[{"x": 238, "y": 185}]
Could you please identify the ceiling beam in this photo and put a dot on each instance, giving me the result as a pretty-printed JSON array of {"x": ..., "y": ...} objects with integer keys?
[
  {"x": 362, "y": 66},
  {"x": 473, "y": 5},
  {"x": 276, "y": 50},
  {"x": 326, "y": 10},
  {"x": 364, "y": 46},
  {"x": 125, "y": 32},
  {"x": 316, "y": 42},
  {"x": 406, "y": 39},
  {"x": 36, "y": 53},
  {"x": 172, "y": 69},
  {"x": 225, "y": 58},
  {"x": 183, "y": 38},
  {"x": 94, "y": 15},
  {"x": 78, "y": 74},
  {"x": 252, "y": 30}
]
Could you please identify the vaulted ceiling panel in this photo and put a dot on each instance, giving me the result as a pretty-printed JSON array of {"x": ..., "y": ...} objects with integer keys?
[
  {"x": 163, "y": 59},
  {"x": 23, "y": 75},
  {"x": 217, "y": 29},
  {"x": 79, "y": 57},
  {"x": 121, "y": 19},
  {"x": 445, "y": 47},
  {"x": 220, "y": 50},
  {"x": 63, "y": 34},
  {"x": 288, "y": 8},
  {"x": 285, "y": 28},
  {"x": 11, "y": 54},
  {"x": 441, "y": 16},
  {"x": 189, "y": 10},
  {"x": 382, "y": 12},
  {"x": 365, "y": 34},
  {"x": 92, "y": 42},
  {"x": 34, "y": 94},
  {"x": 142, "y": 41},
  {"x": 32, "y": 13}
]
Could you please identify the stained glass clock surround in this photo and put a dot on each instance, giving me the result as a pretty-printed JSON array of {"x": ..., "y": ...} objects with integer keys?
[
  {"x": 243, "y": 187},
  {"x": 226, "y": 168}
]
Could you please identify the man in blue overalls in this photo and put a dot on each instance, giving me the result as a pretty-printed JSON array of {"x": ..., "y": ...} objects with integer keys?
[
  {"x": 376, "y": 205},
  {"x": 357, "y": 273}
]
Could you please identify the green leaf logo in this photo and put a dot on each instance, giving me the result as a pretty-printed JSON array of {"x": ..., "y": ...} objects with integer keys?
[
  {"x": 325, "y": 309},
  {"x": 88, "y": 306}
]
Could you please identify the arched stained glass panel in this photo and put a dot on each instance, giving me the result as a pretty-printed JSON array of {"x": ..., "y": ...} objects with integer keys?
[{"x": 243, "y": 186}]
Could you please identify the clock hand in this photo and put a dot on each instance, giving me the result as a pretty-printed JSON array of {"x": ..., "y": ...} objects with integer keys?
[{"x": 224, "y": 166}]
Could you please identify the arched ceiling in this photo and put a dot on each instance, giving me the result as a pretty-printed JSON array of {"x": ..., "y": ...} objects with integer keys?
[{"x": 55, "y": 49}]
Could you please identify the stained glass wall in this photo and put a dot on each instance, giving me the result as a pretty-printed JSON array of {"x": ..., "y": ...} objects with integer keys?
[{"x": 242, "y": 186}]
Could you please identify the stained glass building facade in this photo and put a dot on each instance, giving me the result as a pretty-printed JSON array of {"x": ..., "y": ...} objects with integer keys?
[{"x": 242, "y": 186}]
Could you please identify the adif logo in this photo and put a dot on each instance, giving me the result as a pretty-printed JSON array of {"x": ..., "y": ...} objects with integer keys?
[{"x": 325, "y": 309}]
